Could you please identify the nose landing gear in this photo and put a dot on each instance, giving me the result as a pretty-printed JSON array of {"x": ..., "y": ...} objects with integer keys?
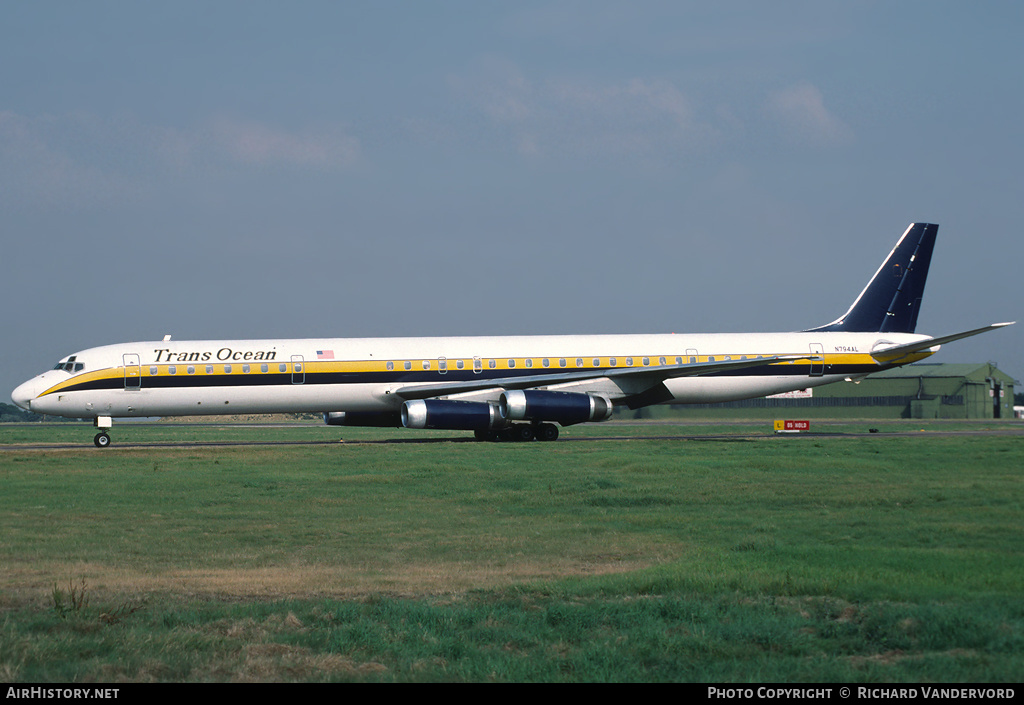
[{"x": 103, "y": 423}]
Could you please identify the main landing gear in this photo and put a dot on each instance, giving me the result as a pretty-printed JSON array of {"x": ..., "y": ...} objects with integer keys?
[
  {"x": 520, "y": 432},
  {"x": 103, "y": 423}
]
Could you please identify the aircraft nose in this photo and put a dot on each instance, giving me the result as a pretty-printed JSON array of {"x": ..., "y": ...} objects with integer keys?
[{"x": 24, "y": 394}]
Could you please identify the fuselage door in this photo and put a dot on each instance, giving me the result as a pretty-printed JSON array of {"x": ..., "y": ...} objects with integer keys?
[
  {"x": 298, "y": 370},
  {"x": 132, "y": 371},
  {"x": 817, "y": 360}
]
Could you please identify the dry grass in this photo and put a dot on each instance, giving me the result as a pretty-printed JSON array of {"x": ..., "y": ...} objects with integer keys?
[{"x": 284, "y": 582}]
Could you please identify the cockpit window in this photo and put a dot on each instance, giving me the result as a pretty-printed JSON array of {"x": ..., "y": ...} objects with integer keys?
[{"x": 70, "y": 365}]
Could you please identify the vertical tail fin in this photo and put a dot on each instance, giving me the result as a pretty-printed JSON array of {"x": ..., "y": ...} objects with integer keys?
[{"x": 892, "y": 299}]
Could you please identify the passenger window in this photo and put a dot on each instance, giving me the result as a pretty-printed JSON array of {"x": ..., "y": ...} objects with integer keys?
[
  {"x": 227, "y": 369},
  {"x": 611, "y": 362},
  {"x": 561, "y": 363},
  {"x": 390, "y": 365},
  {"x": 426, "y": 364},
  {"x": 629, "y": 362},
  {"x": 264, "y": 368},
  {"x": 459, "y": 364},
  {"x": 529, "y": 362},
  {"x": 511, "y": 363},
  {"x": 209, "y": 369},
  {"x": 245, "y": 369},
  {"x": 545, "y": 362},
  {"x": 408, "y": 365},
  {"x": 693, "y": 360},
  {"x": 492, "y": 363},
  {"x": 647, "y": 361},
  {"x": 579, "y": 362},
  {"x": 152, "y": 371},
  {"x": 661, "y": 361},
  {"x": 191, "y": 369},
  {"x": 172, "y": 370},
  {"x": 597, "y": 363}
]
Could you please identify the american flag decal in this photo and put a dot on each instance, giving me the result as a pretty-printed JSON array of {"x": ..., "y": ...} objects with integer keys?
[{"x": 324, "y": 354}]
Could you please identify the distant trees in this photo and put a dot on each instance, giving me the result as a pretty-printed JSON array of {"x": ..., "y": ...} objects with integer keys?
[{"x": 10, "y": 413}]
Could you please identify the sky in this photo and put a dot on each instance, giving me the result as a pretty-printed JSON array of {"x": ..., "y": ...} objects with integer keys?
[{"x": 351, "y": 169}]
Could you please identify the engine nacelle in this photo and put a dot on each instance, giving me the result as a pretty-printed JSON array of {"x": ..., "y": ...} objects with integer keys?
[
  {"x": 449, "y": 414},
  {"x": 382, "y": 419},
  {"x": 566, "y": 408}
]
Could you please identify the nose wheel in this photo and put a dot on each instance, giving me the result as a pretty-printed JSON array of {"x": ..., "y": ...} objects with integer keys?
[{"x": 103, "y": 423}]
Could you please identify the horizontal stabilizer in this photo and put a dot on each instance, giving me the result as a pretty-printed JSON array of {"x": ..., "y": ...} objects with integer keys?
[{"x": 898, "y": 352}]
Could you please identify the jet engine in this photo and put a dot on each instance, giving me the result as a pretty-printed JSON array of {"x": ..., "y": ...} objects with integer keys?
[
  {"x": 566, "y": 408},
  {"x": 449, "y": 414},
  {"x": 363, "y": 418}
]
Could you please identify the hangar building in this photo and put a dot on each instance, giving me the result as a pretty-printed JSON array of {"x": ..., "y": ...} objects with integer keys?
[
  {"x": 922, "y": 391},
  {"x": 929, "y": 391}
]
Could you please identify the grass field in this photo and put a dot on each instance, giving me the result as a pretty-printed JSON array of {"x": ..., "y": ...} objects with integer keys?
[{"x": 686, "y": 553}]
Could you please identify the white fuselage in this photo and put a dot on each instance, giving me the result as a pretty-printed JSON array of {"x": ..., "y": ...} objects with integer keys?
[{"x": 169, "y": 378}]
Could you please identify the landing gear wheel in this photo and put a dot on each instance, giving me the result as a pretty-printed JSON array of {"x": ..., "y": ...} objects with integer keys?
[
  {"x": 546, "y": 432},
  {"x": 102, "y": 440},
  {"x": 522, "y": 432}
]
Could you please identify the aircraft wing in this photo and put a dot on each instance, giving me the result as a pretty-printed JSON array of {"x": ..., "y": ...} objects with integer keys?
[
  {"x": 898, "y": 352},
  {"x": 639, "y": 378}
]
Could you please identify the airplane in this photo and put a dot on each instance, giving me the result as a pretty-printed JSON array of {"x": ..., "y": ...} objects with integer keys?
[{"x": 501, "y": 388}]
